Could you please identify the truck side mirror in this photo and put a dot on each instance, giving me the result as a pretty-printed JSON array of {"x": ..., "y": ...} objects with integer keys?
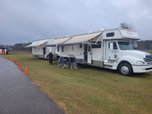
[{"x": 111, "y": 46}]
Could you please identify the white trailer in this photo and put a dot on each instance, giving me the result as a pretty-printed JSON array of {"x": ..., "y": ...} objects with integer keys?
[
  {"x": 55, "y": 45},
  {"x": 112, "y": 49},
  {"x": 39, "y": 50}
]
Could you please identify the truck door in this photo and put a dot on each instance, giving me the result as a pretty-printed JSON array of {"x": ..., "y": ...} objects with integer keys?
[
  {"x": 111, "y": 51},
  {"x": 87, "y": 53}
]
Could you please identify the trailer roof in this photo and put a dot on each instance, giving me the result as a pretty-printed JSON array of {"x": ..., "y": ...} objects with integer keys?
[
  {"x": 37, "y": 43},
  {"x": 81, "y": 38}
]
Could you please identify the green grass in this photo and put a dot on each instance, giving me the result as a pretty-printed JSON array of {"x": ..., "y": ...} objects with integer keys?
[
  {"x": 150, "y": 51},
  {"x": 91, "y": 90}
]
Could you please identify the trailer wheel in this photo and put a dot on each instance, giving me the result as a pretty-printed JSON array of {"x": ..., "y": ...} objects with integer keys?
[{"x": 125, "y": 69}]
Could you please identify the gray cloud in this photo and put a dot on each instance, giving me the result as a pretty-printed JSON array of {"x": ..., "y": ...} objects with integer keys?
[{"x": 28, "y": 20}]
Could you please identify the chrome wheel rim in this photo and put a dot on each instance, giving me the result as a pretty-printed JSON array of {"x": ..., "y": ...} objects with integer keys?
[{"x": 124, "y": 70}]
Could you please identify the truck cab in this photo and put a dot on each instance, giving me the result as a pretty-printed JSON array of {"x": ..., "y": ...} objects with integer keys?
[{"x": 119, "y": 53}]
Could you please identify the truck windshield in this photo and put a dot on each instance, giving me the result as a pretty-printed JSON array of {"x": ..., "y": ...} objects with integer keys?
[{"x": 125, "y": 45}]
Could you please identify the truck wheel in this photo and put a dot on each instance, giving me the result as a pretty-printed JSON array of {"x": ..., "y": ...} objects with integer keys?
[{"x": 125, "y": 69}]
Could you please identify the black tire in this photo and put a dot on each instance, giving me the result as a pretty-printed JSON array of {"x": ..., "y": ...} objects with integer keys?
[{"x": 125, "y": 69}]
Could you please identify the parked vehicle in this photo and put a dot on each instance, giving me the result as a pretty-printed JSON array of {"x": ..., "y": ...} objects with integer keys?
[
  {"x": 112, "y": 49},
  {"x": 3, "y": 51},
  {"x": 39, "y": 50}
]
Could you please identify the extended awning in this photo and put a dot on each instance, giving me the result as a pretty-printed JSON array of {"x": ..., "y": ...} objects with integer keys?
[
  {"x": 37, "y": 43},
  {"x": 57, "y": 41},
  {"x": 81, "y": 38}
]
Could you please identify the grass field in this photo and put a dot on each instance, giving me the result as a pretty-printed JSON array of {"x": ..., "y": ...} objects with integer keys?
[
  {"x": 150, "y": 51},
  {"x": 91, "y": 90}
]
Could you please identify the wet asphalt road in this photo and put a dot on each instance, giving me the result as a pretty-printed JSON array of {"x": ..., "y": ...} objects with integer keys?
[{"x": 19, "y": 96}]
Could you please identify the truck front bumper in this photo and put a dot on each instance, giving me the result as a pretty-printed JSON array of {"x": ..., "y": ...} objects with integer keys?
[{"x": 142, "y": 68}]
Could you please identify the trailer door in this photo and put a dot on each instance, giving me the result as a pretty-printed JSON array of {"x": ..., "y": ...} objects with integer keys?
[
  {"x": 44, "y": 51},
  {"x": 87, "y": 53}
]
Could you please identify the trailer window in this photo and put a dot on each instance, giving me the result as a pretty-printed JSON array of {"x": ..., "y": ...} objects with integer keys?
[
  {"x": 72, "y": 48},
  {"x": 110, "y": 34},
  {"x": 89, "y": 48},
  {"x": 80, "y": 45},
  {"x": 58, "y": 49},
  {"x": 96, "y": 45},
  {"x": 62, "y": 48}
]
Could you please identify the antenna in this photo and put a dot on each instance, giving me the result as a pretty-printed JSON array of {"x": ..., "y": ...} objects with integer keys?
[{"x": 126, "y": 26}]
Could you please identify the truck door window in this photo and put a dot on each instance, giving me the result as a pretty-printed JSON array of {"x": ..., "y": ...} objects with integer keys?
[
  {"x": 112, "y": 46},
  {"x": 115, "y": 46}
]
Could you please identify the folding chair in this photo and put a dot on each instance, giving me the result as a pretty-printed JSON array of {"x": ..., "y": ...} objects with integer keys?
[
  {"x": 65, "y": 63},
  {"x": 73, "y": 64},
  {"x": 59, "y": 62}
]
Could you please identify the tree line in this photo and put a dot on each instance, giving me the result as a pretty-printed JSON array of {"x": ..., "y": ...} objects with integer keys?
[
  {"x": 145, "y": 45},
  {"x": 142, "y": 45}
]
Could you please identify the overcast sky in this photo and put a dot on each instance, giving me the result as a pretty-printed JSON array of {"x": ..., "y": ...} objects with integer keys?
[{"x": 29, "y": 20}]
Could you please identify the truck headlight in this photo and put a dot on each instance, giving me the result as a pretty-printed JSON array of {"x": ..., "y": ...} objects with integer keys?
[{"x": 140, "y": 62}]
